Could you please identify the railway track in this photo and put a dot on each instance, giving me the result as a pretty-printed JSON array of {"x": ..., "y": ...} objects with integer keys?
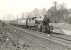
[
  {"x": 37, "y": 39},
  {"x": 58, "y": 38}
]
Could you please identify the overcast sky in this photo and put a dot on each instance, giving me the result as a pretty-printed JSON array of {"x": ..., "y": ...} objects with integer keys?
[{"x": 15, "y": 7}]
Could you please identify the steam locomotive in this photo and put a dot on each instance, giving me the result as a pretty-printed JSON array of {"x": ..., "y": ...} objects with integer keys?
[{"x": 34, "y": 23}]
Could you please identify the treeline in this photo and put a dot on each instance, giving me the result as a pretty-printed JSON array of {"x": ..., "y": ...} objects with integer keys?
[{"x": 58, "y": 13}]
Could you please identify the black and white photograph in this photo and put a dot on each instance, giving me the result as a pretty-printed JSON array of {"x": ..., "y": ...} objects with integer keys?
[{"x": 35, "y": 24}]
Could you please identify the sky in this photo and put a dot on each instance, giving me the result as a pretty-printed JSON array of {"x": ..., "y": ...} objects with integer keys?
[{"x": 16, "y": 7}]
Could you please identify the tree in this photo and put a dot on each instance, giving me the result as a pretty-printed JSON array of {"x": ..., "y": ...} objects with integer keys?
[
  {"x": 57, "y": 14},
  {"x": 36, "y": 12},
  {"x": 43, "y": 12}
]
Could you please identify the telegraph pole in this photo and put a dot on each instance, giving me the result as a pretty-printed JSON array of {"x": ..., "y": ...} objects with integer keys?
[
  {"x": 17, "y": 19},
  {"x": 55, "y": 4},
  {"x": 55, "y": 7}
]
